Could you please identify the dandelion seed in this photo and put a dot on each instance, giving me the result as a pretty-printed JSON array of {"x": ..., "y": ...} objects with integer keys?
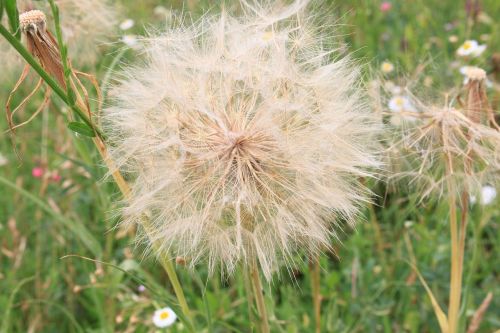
[
  {"x": 387, "y": 67},
  {"x": 164, "y": 317},
  {"x": 471, "y": 48},
  {"x": 127, "y": 24},
  {"x": 238, "y": 148}
]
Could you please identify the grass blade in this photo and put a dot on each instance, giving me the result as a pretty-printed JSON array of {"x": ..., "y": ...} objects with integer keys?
[{"x": 75, "y": 227}]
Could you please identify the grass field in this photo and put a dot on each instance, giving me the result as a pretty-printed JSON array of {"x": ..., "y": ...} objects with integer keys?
[{"x": 64, "y": 267}]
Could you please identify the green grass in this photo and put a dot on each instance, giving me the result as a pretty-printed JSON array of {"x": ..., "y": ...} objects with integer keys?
[{"x": 368, "y": 286}]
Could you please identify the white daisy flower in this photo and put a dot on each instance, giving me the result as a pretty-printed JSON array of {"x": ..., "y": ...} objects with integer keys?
[
  {"x": 488, "y": 195},
  {"x": 386, "y": 67},
  {"x": 127, "y": 24},
  {"x": 164, "y": 317},
  {"x": 400, "y": 104},
  {"x": 471, "y": 48}
]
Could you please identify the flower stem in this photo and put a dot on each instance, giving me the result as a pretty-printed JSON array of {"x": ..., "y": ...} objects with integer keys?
[
  {"x": 174, "y": 280},
  {"x": 316, "y": 296},
  {"x": 259, "y": 297},
  {"x": 456, "y": 274},
  {"x": 457, "y": 253}
]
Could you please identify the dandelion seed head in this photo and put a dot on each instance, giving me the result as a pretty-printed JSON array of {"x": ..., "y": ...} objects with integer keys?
[
  {"x": 473, "y": 73},
  {"x": 32, "y": 20},
  {"x": 244, "y": 138},
  {"x": 444, "y": 150}
]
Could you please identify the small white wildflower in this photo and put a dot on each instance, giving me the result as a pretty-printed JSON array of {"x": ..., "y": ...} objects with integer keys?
[
  {"x": 386, "y": 67},
  {"x": 453, "y": 39},
  {"x": 398, "y": 104},
  {"x": 471, "y": 48},
  {"x": 3, "y": 160},
  {"x": 401, "y": 104},
  {"x": 129, "y": 40},
  {"x": 164, "y": 317},
  {"x": 127, "y": 24},
  {"x": 408, "y": 224},
  {"x": 488, "y": 195}
]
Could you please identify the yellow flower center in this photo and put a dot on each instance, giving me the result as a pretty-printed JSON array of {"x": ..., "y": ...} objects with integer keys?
[
  {"x": 467, "y": 45},
  {"x": 164, "y": 315},
  {"x": 387, "y": 67},
  {"x": 267, "y": 36}
]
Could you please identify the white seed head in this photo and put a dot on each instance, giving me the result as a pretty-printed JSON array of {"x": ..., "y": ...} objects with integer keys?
[
  {"x": 443, "y": 151},
  {"x": 243, "y": 138},
  {"x": 32, "y": 20},
  {"x": 476, "y": 74}
]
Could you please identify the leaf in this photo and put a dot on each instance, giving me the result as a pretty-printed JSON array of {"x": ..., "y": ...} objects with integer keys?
[
  {"x": 441, "y": 316},
  {"x": 13, "y": 15},
  {"x": 1, "y": 9},
  {"x": 8, "y": 309},
  {"x": 81, "y": 128}
]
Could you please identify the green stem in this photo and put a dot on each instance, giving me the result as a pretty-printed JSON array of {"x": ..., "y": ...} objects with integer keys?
[
  {"x": 172, "y": 276},
  {"x": 316, "y": 294},
  {"x": 259, "y": 297},
  {"x": 249, "y": 294}
]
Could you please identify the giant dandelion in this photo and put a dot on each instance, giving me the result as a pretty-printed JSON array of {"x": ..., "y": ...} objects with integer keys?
[{"x": 243, "y": 138}]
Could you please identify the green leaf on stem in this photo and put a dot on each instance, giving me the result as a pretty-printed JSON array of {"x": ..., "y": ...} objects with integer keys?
[{"x": 81, "y": 128}]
